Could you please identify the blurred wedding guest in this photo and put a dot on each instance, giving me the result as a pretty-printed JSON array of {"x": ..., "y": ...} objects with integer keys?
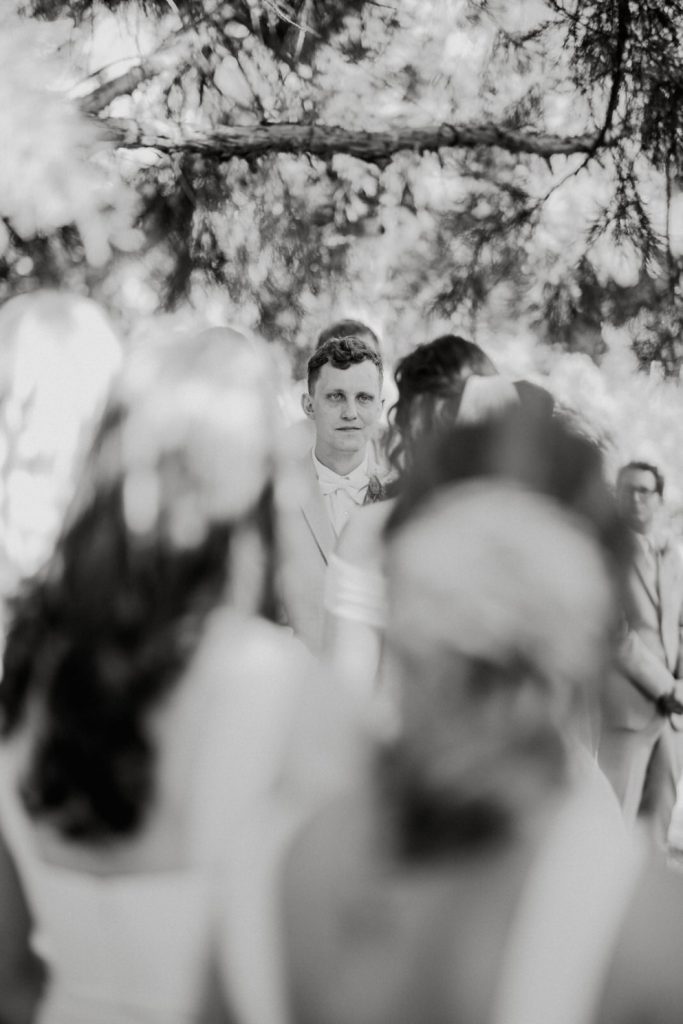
[
  {"x": 440, "y": 383},
  {"x": 638, "y": 750},
  {"x": 336, "y": 473},
  {"x": 143, "y": 699},
  {"x": 58, "y": 356},
  {"x": 480, "y": 875},
  {"x": 545, "y": 455}
]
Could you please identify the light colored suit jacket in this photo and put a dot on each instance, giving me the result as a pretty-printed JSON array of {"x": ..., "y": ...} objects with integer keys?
[
  {"x": 650, "y": 652},
  {"x": 306, "y": 542}
]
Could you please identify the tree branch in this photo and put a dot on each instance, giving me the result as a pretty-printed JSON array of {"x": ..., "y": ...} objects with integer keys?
[
  {"x": 126, "y": 83},
  {"x": 326, "y": 140},
  {"x": 599, "y": 139},
  {"x": 623, "y": 21},
  {"x": 168, "y": 55}
]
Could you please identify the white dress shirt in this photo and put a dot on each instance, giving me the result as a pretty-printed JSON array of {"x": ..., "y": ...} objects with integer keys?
[{"x": 341, "y": 494}]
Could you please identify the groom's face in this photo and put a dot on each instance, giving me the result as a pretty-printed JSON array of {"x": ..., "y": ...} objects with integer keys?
[{"x": 345, "y": 406}]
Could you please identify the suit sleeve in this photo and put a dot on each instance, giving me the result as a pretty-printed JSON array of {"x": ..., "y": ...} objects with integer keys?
[{"x": 643, "y": 668}]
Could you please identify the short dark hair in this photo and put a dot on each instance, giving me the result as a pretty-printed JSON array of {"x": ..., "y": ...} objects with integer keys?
[
  {"x": 645, "y": 467},
  {"x": 343, "y": 329},
  {"x": 341, "y": 353}
]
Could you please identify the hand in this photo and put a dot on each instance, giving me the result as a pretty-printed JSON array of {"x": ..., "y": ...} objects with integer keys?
[{"x": 669, "y": 704}]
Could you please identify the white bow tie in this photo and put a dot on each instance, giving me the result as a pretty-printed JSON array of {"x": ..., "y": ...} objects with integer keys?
[{"x": 355, "y": 491}]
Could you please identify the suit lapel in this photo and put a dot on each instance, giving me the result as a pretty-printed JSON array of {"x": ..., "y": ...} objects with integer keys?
[
  {"x": 670, "y": 603},
  {"x": 646, "y": 574},
  {"x": 315, "y": 513},
  {"x": 378, "y": 464},
  {"x": 668, "y": 576}
]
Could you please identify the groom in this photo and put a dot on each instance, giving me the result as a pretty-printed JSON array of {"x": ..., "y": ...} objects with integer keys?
[{"x": 339, "y": 473}]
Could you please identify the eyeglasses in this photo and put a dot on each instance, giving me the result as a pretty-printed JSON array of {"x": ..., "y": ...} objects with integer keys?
[{"x": 641, "y": 492}]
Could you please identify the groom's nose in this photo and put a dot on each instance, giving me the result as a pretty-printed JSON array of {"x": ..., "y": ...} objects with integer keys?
[{"x": 349, "y": 412}]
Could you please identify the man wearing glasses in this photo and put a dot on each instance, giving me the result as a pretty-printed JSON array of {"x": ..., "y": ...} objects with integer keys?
[{"x": 644, "y": 699}]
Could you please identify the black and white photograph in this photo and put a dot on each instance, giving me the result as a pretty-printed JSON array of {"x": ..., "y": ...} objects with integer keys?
[{"x": 341, "y": 512}]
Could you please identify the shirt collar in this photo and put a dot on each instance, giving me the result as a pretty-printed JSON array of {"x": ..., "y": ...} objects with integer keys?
[
  {"x": 358, "y": 476},
  {"x": 651, "y": 543}
]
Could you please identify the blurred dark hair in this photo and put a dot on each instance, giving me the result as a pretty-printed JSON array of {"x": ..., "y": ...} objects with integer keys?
[
  {"x": 341, "y": 353},
  {"x": 99, "y": 637},
  {"x": 342, "y": 330},
  {"x": 430, "y": 382},
  {"x": 543, "y": 455},
  {"x": 431, "y": 821},
  {"x": 645, "y": 467},
  {"x": 534, "y": 398}
]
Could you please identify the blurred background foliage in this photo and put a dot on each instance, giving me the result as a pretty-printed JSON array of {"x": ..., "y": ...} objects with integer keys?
[{"x": 568, "y": 263}]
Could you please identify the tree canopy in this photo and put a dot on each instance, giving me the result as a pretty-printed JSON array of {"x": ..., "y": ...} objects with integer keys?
[{"x": 482, "y": 162}]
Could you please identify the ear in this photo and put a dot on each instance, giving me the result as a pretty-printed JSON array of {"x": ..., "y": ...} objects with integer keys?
[{"x": 307, "y": 405}]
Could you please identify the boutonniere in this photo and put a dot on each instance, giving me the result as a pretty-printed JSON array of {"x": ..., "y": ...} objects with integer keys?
[
  {"x": 376, "y": 490},
  {"x": 662, "y": 543}
]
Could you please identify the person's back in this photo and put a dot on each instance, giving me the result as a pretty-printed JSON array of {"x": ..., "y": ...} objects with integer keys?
[
  {"x": 126, "y": 927},
  {"x": 370, "y": 938},
  {"x": 386, "y": 944}
]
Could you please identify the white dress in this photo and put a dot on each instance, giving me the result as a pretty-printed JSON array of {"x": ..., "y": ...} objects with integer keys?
[{"x": 137, "y": 947}]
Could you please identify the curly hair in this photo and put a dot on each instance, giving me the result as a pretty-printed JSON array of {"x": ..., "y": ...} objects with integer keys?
[
  {"x": 430, "y": 382},
  {"x": 342, "y": 329},
  {"x": 341, "y": 353},
  {"x": 99, "y": 637}
]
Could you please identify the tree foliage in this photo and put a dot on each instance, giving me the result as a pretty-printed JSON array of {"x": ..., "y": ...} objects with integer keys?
[{"x": 480, "y": 162}]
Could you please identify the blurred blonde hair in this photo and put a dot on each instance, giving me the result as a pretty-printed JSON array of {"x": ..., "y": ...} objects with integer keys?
[{"x": 500, "y": 622}]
